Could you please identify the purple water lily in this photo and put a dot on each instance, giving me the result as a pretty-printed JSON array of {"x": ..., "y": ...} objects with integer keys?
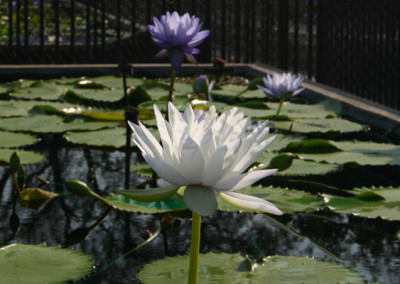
[
  {"x": 177, "y": 36},
  {"x": 282, "y": 85}
]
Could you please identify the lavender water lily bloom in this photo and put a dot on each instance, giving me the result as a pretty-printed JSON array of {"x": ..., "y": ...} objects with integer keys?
[
  {"x": 178, "y": 36},
  {"x": 208, "y": 154},
  {"x": 282, "y": 85}
]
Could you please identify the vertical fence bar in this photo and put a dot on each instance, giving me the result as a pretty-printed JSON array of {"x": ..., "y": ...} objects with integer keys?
[
  {"x": 321, "y": 32},
  {"x": 57, "y": 31},
  {"x": 95, "y": 27},
  {"x": 223, "y": 29},
  {"x": 237, "y": 30},
  {"x": 266, "y": 31},
  {"x": 41, "y": 30},
  {"x": 310, "y": 37},
  {"x": 133, "y": 31},
  {"x": 253, "y": 31},
  {"x": 18, "y": 30},
  {"x": 103, "y": 30},
  {"x": 207, "y": 25},
  {"x": 10, "y": 30},
  {"x": 72, "y": 35},
  {"x": 296, "y": 36},
  {"x": 88, "y": 53},
  {"x": 118, "y": 55},
  {"x": 26, "y": 32},
  {"x": 283, "y": 34}
]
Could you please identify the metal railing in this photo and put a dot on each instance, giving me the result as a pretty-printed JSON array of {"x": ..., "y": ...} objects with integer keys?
[{"x": 349, "y": 44}]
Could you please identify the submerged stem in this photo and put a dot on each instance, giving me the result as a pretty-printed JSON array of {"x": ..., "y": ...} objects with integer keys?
[
  {"x": 194, "y": 249},
  {"x": 280, "y": 106}
]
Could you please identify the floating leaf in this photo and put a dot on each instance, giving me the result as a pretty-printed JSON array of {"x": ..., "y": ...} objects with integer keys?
[
  {"x": 40, "y": 90},
  {"x": 9, "y": 139},
  {"x": 287, "y": 200},
  {"x": 361, "y": 153},
  {"x": 105, "y": 95},
  {"x": 228, "y": 268},
  {"x": 318, "y": 125},
  {"x": 26, "y": 157},
  {"x": 111, "y": 137},
  {"x": 150, "y": 194},
  {"x": 298, "y": 167},
  {"x": 51, "y": 124},
  {"x": 312, "y": 146},
  {"x": 21, "y": 263},
  {"x": 174, "y": 203},
  {"x": 381, "y": 202}
]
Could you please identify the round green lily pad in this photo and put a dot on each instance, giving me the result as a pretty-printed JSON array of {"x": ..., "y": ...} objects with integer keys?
[
  {"x": 21, "y": 263},
  {"x": 174, "y": 203},
  {"x": 9, "y": 139},
  {"x": 226, "y": 268},
  {"x": 287, "y": 200},
  {"x": 26, "y": 157},
  {"x": 111, "y": 137},
  {"x": 384, "y": 203}
]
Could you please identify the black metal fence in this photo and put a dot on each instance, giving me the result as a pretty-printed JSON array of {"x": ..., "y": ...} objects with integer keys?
[{"x": 349, "y": 44}]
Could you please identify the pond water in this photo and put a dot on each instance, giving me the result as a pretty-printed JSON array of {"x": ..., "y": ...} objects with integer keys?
[{"x": 370, "y": 246}]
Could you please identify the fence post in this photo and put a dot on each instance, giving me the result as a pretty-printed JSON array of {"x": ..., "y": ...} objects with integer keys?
[{"x": 283, "y": 34}]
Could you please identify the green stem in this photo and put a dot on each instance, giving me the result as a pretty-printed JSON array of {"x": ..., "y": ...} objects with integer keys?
[
  {"x": 280, "y": 106},
  {"x": 194, "y": 249},
  {"x": 14, "y": 176},
  {"x": 171, "y": 86}
]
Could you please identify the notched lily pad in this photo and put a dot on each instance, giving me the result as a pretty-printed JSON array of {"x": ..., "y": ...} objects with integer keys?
[
  {"x": 110, "y": 138},
  {"x": 40, "y": 90},
  {"x": 36, "y": 264},
  {"x": 9, "y": 139},
  {"x": 174, "y": 203},
  {"x": 369, "y": 202},
  {"x": 228, "y": 268},
  {"x": 26, "y": 157},
  {"x": 287, "y": 200}
]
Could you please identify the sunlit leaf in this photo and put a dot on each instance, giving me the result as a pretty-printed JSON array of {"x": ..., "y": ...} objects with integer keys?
[
  {"x": 287, "y": 200},
  {"x": 226, "y": 268},
  {"x": 381, "y": 202},
  {"x": 37, "y": 264},
  {"x": 361, "y": 153},
  {"x": 51, "y": 124},
  {"x": 40, "y": 90},
  {"x": 174, "y": 203},
  {"x": 9, "y": 139},
  {"x": 111, "y": 137},
  {"x": 27, "y": 157}
]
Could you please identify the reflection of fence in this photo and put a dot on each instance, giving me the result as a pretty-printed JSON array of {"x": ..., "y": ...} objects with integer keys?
[{"x": 350, "y": 44}]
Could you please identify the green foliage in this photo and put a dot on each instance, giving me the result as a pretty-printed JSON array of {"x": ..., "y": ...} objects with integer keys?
[
  {"x": 21, "y": 263},
  {"x": 233, "y": 268}
]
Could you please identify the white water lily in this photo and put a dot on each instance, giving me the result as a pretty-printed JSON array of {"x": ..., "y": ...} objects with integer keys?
[{"x": 208, "y": 154}]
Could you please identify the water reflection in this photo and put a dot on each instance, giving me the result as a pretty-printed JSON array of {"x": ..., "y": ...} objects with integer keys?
[{"x": 370, "y": 246}]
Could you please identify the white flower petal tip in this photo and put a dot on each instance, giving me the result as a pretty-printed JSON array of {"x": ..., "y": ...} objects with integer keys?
[
  {"x": 200, "y": 200},
  {"x": 151, "y": 194},
  {"x": 248, "y": 202}
]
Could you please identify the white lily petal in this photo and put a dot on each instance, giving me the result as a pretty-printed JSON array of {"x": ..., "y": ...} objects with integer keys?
[
  {"x": 243, "y": 180},
  {"x": 200, "y": 200},
  {"x": 249, "y": 202},
  {"x": 220, "y": 162},
  {"x": 142, "y": 141},
  {"x": 165, "y": 171},
  {"x": 163, "y": 127},
  {"x": 191, "y": 160}
]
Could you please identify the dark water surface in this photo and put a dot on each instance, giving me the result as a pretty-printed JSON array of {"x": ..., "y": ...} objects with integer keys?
[{"x": 371, "y": 246}]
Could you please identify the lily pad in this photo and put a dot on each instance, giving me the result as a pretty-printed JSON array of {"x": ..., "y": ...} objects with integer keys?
[
  {"x": 51, "y": 124},
  {"x": 233, "y": 268},
  {"x": 298, "y": 167},
  {"x": 111, "y": 137},
  {"x": 174, "y": 203},
  {"x": 26, "y": 157},
  {"x": 106, "y": 95},
  {"x": 21, "y": 263},
  {"x": 10, "y": 140},
  {"x": 287, "y": 200},
  {"x": 40, "y": 90},
  {"x": 385, "y": 203},
  {"x": 361, "y": 153},
  {"x": 318, "y": 125}
]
